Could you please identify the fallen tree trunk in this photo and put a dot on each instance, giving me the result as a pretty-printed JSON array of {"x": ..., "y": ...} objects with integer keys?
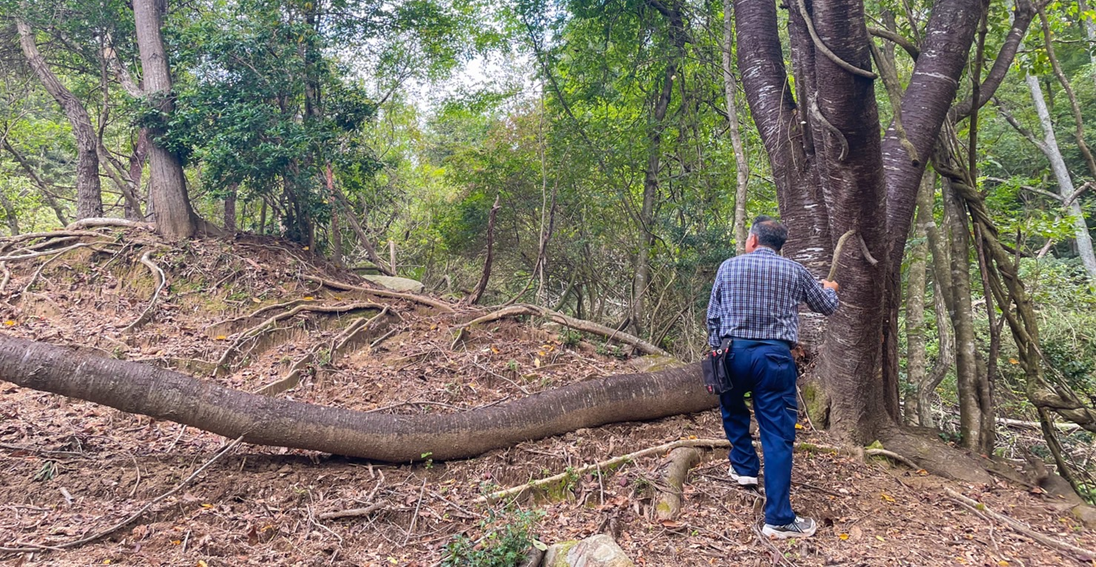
[{"x": 163, "y": 394}]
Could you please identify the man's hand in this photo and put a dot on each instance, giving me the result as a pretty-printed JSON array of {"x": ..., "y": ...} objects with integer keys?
[{"x": 830, "y": 285}]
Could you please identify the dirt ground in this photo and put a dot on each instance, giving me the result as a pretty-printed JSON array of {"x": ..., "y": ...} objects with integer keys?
[{"x": 70, "y": 469}]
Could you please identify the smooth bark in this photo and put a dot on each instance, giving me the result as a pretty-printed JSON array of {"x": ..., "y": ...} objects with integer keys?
[
  {"x": 916, "y": 358},
  {"x": 164, "y": 394},
  {"x": 742, "y": 168},
  {"x": 1049, "y": 146}
]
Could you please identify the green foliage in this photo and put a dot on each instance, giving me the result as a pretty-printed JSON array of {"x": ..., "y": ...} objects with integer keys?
[{"x": 507, "y": 536}]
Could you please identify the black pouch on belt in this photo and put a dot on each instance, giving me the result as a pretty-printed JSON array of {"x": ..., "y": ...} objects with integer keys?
[{"x": 717, "y": 378}]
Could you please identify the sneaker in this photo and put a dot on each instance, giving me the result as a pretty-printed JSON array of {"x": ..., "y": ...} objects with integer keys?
[
  {"x": 800, "y": 527},
  {"x": 747, "y": 481}
]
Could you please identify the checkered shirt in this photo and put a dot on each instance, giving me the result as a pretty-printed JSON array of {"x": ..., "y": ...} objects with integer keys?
[{"x": 757, "y": 296}]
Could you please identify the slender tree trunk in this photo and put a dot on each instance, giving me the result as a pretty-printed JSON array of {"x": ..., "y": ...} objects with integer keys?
[
  {"x": 742, "y": 170},
  {"x": 650, "y": 175},
  {"x": 137, "y": 164},
  {"x": 477, "y": 293},
  {"x": 230, "y": 210},
  {"x": 167, "y": 197},
  {"x": 89, "y": 192},
  {"x": 1090, "y": 32},
  {"x": 916, "y": 370},
  {"x": 1049, "y": 147},
  {"x": 962, "y": 316},
  {"x": 43, "y": 187}
]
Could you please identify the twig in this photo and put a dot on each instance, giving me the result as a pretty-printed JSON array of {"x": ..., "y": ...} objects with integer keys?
[
  {"x": 351, "y": 513},
  {"x": 837, "y": 249},
  {"x": 137, "y": 482},
  {"x": 518, "y": 490},
  {"x": 177, "y": 438},
  {"x": 1019, "y": 527},
  {"x": 161, "y": 281},
  {"x": 415, "y": 515},
  {"x": 97, "y": 536}
]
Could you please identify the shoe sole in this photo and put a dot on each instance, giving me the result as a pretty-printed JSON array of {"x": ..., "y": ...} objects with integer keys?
[{"x": 787, "y": 535}]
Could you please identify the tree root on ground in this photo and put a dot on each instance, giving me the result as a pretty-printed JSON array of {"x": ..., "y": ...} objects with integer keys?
[
  {"x": 292, "y": 379},
  {"x": 420, "y": 299},
  {"x": 357, "y": 331},
  {"x": 609, "y": 463},
  {"x": 232, "y": 351},
  {"x": 1020, "y": 528},
  {"x": 129, "y": 520},
  {"x": 228, "y": 324},
  {"x": 44, "y": 252},
  {"x": 161, "y": 281},
  {"x": 681, "y": 460},
  {"x": 578, "y": 324},
  {"x": 103, "y": 222},
  {"x": 54, "y": 235}
]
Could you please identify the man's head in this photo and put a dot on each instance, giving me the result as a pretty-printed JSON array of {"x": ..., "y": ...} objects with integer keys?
[{"x": 768, "y": 232}]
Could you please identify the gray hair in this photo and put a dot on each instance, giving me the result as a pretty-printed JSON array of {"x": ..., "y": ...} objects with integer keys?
[{"x": 770, "y": 232}]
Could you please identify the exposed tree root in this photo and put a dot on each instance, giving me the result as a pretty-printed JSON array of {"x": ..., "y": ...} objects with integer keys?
[
  {"x": 161, "y": 281},
  {"x": 578, "y": 324},
  {"x": 102, "y": 222},
  {"x": 606, "y": 464},
  {"x": 7, "y": 276},
  {"x": 1020, "y": 528},
  {"x": 254, "y": 332},
  {"x": 891, "y": 455},
  {"x": 420, "y": 299},
  {"x": 132, "y": 518},
  {"x": 53, "y": 235},
  {"x": 355, "y": 333},
  {"x": 681, "y": 460},
  {"x": 44, "y": 252},
  {"x": 34, "y": 277},
  {"x": 228, "y": 324},
  {"x": 292, "y": 379},
  {"x": 936, "y": 457}
]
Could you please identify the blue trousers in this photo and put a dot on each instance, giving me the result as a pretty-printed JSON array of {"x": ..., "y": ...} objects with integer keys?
[{"x": 768, "y": 371}]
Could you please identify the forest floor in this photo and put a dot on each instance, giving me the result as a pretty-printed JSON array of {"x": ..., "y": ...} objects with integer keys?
[{"x": 72, "y": 469}]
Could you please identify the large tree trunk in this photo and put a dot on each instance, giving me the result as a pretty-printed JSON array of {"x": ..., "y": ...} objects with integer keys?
[
  {"x": 163, "y": 394},
  {"x": 1049, "y": 147},
  {"x": 168, "y": 199},
  {"x": 89, "y": 192},
  {"x": 835, "y": 171},
  {"x": 742, "y": 170}
]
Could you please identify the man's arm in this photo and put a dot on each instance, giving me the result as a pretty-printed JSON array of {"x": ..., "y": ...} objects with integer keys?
[
  {"x": 714, "y": 309},
  {"x": 821, "y": 297}
]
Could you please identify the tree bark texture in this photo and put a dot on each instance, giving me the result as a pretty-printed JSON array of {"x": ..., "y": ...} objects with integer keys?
[
  {"x": 778, "y": 120},
  {"x": 89, "y": 191},
  {"x": 962, "y": 317},
  {"x": 1049, "y": 146},
  {"x": 834, "y": 174},
  {"x": 168, "y": 199},
  {"x": 742, "y": 169},
  {"x": 163, "y": 394},
  {"x": 916, "y": 359}
]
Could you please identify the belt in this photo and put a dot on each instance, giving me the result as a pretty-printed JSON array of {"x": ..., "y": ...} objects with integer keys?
[{"x": 756, "y": 342}]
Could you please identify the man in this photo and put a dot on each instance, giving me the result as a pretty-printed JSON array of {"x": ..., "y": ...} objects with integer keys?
[{"x": 755, "y": 301}]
